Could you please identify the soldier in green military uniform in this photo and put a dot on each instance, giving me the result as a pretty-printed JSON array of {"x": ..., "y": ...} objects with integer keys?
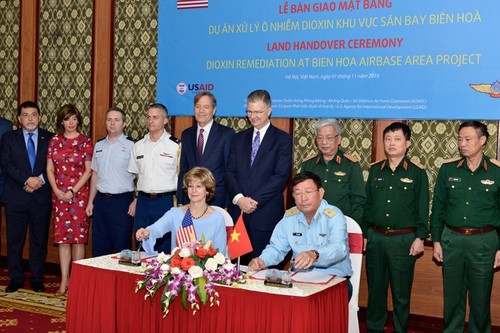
[
  {"x": 394, "y": 227},
  {"x": 340, "y": 172},
  {"x": 464, "y": 221}
]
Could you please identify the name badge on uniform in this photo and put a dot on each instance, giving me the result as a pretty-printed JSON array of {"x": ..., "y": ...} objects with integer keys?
[
  {"x": 453, "y": 179},
  {"x": 99, "y": 151},
  {"x": 297, "y": 234},
  {"x": 139, "y": 157}
]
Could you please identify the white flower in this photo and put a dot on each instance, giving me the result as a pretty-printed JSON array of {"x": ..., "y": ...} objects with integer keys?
[
  {"x": 195, "y": 272},
  {"x": 228, "y": 266},
  {"x": 185, "y": 252},
  {"x": 219, "y": 258},
  {"x": 211, "y": 264},
  {"x": 165, "y": 268},
  {"x": 162, "y": 257},
  {"x": 175, "y": 270}
]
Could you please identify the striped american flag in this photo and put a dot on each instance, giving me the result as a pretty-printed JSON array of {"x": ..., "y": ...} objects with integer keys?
[
  {"x": 191, "y": 4},
  {"x": 186, "y": 232}
]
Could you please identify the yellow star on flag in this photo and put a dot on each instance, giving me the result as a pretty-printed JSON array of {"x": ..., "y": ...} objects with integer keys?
[{"x": 235, "y": 236}]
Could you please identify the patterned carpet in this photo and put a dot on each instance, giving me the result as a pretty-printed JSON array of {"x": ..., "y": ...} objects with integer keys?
[{"x": 27, "y": 311}]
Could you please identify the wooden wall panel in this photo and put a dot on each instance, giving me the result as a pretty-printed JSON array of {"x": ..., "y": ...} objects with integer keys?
[
  {"x": 102, "y": 66},
  {"x": 28, "y": 55}
]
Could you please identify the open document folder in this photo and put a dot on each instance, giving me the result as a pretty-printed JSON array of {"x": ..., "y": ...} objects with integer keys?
[{"x": 298, "y": 277}]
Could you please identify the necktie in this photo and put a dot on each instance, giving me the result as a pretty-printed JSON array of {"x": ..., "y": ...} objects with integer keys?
[
  {"x": 201, "y": 140},
  {"x": 255, "y": 147},
  {"x": 31, "y": 151}
]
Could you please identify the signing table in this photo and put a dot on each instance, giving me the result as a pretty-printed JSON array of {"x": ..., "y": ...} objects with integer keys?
[{"x": 102, "y": 298}]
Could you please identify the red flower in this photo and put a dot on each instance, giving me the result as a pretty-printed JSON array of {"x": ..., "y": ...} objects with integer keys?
[
  {"x": 187, "y": 263},
  {"x": 212, "y": 252},
  {"x": 201, "y": 253},
  {"x": 176, "y": 261}
]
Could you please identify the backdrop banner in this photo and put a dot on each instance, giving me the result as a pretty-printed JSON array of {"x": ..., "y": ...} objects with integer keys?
[{"x": 377, "y": 59}]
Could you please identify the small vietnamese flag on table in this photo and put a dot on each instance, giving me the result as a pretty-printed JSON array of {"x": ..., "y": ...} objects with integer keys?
[{"x": 238, "y": 243}]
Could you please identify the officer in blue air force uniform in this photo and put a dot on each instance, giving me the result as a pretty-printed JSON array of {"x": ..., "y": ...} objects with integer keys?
[
  {"x": 111, "y": 198},
  {"x": 315, "y": 231}
]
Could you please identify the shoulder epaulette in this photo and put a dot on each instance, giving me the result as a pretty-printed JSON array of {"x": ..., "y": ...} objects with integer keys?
[
  {"x": 130, "y": 139},
  {"x": 495, "y": 162},
  {"x": 101, "y": 139},
  {"x": 451, "y": 160},
  {"x": 174, "y": 139},
  {"x": 376, "y": 162},
  {"x": 329, "y": 212},
  {"x": 292, "y": 211},
  {"x": 418, "y": 165},
  {"x": 351, "y": 158},
  {"x": 310, "y": 157}
]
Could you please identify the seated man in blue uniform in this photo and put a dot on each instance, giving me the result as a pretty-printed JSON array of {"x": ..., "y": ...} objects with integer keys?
[{"x": 315, "y": 231}]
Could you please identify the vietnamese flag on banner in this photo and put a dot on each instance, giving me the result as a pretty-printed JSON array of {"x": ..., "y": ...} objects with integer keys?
[{"x": 238, "y": 243}]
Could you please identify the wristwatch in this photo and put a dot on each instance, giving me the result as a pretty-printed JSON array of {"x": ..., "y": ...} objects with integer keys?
[{"x": 316, "y": 253}]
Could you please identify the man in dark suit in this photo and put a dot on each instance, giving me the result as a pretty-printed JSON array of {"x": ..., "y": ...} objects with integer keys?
[
  {"x": 27, "y": 196},
  {"x": 206, "y": 144},
  {"x": 258, "y": 168}
]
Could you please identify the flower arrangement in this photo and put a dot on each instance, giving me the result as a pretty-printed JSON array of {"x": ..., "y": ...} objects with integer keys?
[{"x": 191, "y": 272}]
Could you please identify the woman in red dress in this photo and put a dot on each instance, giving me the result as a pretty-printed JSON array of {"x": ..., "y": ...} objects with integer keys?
[{"x": 68, "y": 171}]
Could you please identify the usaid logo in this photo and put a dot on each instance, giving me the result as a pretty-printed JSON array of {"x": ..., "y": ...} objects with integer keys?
[
  {"x": 181, "y": 88},
  {"x": 200, "y": 86}
]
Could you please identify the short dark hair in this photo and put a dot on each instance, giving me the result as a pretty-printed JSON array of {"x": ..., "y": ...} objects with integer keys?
[
  {"x": 205, "y": 93},
  {"x": 27, "y": 104},
  {"x": 260, "y": 95},
  {"x": 395, "y": 126},
  {"x": 65, "y": 112},
  {"x": 480, "y": 128},
  {"x": 160, "y": 106},
  {"x": 305, "y": 175},
  {"x": 117, "y": 109}
]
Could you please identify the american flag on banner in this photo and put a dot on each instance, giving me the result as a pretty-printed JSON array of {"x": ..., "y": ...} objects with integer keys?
[
  {"x": 191, "y": 4},
  {"x": 186, "y": 232}
]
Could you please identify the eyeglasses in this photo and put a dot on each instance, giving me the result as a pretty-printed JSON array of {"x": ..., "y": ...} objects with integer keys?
[
  {"x": 257, "y": 113},
  {"x": 307, "y": 193},
  {"x": 328, "y": 138}
]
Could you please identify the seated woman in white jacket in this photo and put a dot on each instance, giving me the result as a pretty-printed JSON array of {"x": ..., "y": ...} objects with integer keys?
[{"x": 191, "y": 221}]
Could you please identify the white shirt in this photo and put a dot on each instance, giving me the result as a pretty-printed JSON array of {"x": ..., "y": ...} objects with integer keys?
[
  {"x": 155, "y": 163},
  {"x": 206, "y": 133}
]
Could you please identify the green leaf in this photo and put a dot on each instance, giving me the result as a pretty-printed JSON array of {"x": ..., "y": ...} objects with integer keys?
[
  {"x": 202, "y": 292},
  {"x": 184, "y": 297}
]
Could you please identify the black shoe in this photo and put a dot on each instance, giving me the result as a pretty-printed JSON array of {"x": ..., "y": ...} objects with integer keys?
[
  {"x": 12, "y": 287},
  {"x": 37, "y": 286}
]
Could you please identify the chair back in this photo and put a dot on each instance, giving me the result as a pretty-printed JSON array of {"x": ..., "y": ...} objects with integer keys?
[
  {"x": 356, "y": 256},
  {"x": 227, "y": 218}
]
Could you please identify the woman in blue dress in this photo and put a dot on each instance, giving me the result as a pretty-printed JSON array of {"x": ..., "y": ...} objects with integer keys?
[{"x": 191, "y": 221}]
